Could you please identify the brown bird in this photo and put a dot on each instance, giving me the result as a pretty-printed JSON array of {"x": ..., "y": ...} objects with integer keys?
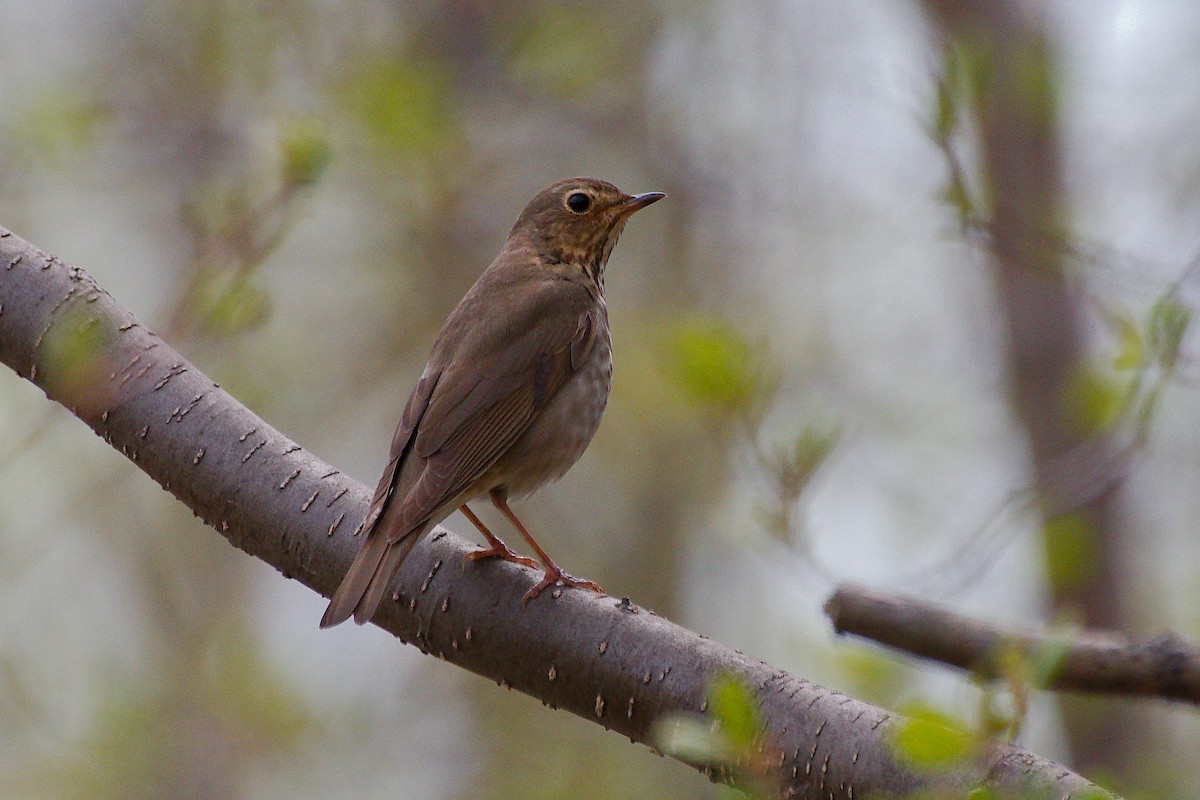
[{"x": 512, "y": 394}]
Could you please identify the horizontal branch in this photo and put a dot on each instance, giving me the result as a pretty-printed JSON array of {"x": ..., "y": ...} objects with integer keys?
[
  {"x": 1089, "y": 661},
  {"x": 604, "y": 659}
]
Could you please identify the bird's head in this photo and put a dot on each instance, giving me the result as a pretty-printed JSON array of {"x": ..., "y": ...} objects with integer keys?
[{"x": 578, "y": 221}]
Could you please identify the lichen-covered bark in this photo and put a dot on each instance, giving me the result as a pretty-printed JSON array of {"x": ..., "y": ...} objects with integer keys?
[{"x": 599, "y": 657}]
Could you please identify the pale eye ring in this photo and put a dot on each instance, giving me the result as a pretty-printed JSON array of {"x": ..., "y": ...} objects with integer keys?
[{"x": 578, "y": 202}]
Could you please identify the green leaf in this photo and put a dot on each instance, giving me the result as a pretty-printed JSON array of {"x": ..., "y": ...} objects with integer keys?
[
  {"x": 1070, "y": 550},
  {"x": 75, "y": 356},
  {"x": 733, "y": 706},
  {"x": 728, "y": 733},
  {"x": 1095, "y": 793},
  {"x": 1131, "y": 347},
  {"x": 1168, "y": 322},
  {"x": 973, "y": 65},
  {"x": 712, "y": 364},
  {"x": 1045, "y": 662},
  {"x": 982, "y": 793},
  {"x": 1096, "y": 398},
  {"x": 946, "y": 108},
  {"x": 304, "y": 153},
  {"x": 230, "y": 303},
  {"x": 875, "y": 676},
  {"x": 796, "y": 463},
  {"x": 931, "y": 741},
  {"x": 1036, "y": 81},
  {"x": 959, "y": 198}
]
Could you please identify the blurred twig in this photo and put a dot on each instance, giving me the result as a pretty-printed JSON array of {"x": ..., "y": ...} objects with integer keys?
[
  {"x": 233, "y": 234},
  {"x": 34, "y": 431},
  {"x": 1088, "y": 661}
]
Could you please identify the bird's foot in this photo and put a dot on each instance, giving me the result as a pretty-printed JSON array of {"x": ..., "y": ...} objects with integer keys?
[
  {"x": 556, "y": 577},
  {"x": 499, "y": 550}
]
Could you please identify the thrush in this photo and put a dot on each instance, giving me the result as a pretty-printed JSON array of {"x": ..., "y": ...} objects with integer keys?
[{"x": 511, "y": 396}]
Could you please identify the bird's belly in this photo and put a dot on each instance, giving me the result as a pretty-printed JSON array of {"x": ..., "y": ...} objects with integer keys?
[{"x": 562, "y": 431}]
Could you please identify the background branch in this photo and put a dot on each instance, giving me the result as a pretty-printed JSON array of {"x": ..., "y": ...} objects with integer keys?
[
  {"x": 603, "y": 659},
  {"x": 1013, "y": 98},
  {"x": 1088, "y": 661}
]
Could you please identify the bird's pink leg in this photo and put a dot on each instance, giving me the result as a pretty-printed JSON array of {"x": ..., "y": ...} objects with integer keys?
[
  {"x": 498, "y": 548},
  {"x": 552, "y": 573}
]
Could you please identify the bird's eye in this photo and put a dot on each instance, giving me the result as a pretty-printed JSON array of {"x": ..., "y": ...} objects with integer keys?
[{"x": 578, "y": 202}]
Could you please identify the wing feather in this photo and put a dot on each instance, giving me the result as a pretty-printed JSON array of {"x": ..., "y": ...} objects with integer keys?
[
  {"x": 464, "y": 432},
  {"x": 501, "y": 353},
  {"x": 467, "y": 456},
  {"x": 414, "y": 409}
]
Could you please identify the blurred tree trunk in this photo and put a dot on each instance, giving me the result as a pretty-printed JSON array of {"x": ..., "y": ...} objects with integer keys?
[{"x": 1013, "y": 88}]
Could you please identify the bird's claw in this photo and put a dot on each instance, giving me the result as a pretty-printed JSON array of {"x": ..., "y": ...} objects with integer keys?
[
  {"x": 501, "y": 552},
  {"x": 556, "y": 577}
]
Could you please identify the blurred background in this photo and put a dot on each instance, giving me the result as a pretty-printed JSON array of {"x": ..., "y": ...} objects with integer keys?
[{"x": 821, "y": 372}]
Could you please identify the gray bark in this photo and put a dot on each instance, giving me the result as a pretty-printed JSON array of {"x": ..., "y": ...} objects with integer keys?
[{"x": 1085, "y": 661}]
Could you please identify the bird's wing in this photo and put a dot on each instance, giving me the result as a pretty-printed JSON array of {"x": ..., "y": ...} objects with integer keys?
[
  {"x": 365, "y": 582},
  {"x": 413, "y": 410},
  {"x": 486, "y": 387},
  {"x": 509, "y": 347}
]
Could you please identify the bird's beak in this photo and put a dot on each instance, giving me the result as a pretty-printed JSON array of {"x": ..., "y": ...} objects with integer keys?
[{"x": 640, "y": 201}]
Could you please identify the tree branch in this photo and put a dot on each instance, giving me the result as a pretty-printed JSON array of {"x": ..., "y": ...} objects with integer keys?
[
  {"x": 1092, "y": 661},
  {"x": 602, "y": 659}
]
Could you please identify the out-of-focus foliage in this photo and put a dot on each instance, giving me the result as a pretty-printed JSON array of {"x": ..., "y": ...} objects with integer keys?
[
  {"x": 1144, "y": 361},
  {"x": 1018, "y": 673},
  {"x": 714, "y": 366},
  {"x": 1130, "y": 346},
  {"x": 788, "y": 469},
  {"x": 569, "y": 51},
  {"x": 76, "y": 351},
  {"x": 235, "y": 228},
  {"x": 928, "y": 740},
  {"x": 1097, "y": 397},
  {"x": 1037, "y": 85},
  {"x": 1169, "y": 320},
  {"x": 58, "y": 122},
  {"x": 402, "y": 104},
  {"x": 733, "y": 707},
  {"x": 305, "y": 152},
  {"x": 1070, "y": 553},
  {"x": 958, "y": 80},
  {"x": 295, "y": 195},
  {"x": 729, "y": 734},
  {"x": 717, "y": 370},
  {"x": 873, "y": 675},
  {"x": 228, "y": 303},
  {"x": 155, "y": 738}
]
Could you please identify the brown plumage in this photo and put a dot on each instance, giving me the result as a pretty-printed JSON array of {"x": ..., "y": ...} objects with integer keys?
[{"x": 512, "y": 394}]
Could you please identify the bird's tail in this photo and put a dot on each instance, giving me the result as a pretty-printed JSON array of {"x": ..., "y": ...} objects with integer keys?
[{"x": 370, "y": 575}]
